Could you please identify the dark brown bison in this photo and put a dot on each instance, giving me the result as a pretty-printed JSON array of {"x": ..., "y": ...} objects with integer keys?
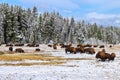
[
  {"x": 49, "y": 45},
  {"x": 36, "y": 45},
  {"x": 80, "y": 45},
  {"x": 37, "y": 49},
  {"x": 112, "y": 56},
  {"x": 19, "y": 50},
  {"x": 90, "y": 50},
  {"x": 10, "y": 48},
  {"x": 62, "y": 45},
  {"x": 105, "y": 56},
  {"x": 9, "y": 44},
  {"x": 110, "y": 46},
  {"x": 33, "y": 45},
  {"x": 71, "y": 50},
  {"x": 54, "y": 46},
  {"x": 101, "y": 55},
  {"x": 67, "y": 49},
  {"x": 80, "y": 49},
  {"x": 95, "y": 46},
  {"x": 101, "y": 46},
  {"x": 87, "y": 45},
  {"x": 19, "y": 44},
  {"x": 30, "y": 45}
]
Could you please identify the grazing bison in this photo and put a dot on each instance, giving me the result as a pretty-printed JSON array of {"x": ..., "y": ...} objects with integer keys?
[
  {"x": 19, "y": 44},
  {"x": 33, "y": 45},
  {"x": 87, "y": 45},
  {"x": 105, "y": 56},
  {"x": 19, "y": 50},
  {"x": 37, "y": 49},
  {"x": 49, "y": 45},
  {"x": 10, "y": 48},
  {"x": 80, "y": 45},
  {"x": 67, "y": 49},
  {"x": 102, "y": 55},
  {"x": 112, "y": 56},
  {"x": 36, "y": 45},
  {"x": 62, "y": 45},
  {"x": 110, "y": 46},
  {"x": 71, "y": 50},
  {"x": 81, "y": 49},
  {"x": 101, "y": 46},
  {"x": 95, "y": 46},
  {"x": 90, "y": 50},
  {"x": 9, "y": 44},
  {"x": 54, "y": 46},
  {"x": 30, "y": 45}
]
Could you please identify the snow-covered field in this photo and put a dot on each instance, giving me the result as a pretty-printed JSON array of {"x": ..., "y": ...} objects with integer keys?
[{"x": 71, "y": 70}]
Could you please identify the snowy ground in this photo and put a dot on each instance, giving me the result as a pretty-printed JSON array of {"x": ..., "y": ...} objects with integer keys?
[{"x": 72, "y": 70}]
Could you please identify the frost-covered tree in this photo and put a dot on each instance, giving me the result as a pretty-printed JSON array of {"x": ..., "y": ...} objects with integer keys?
[{"x": 26, "y": 25}]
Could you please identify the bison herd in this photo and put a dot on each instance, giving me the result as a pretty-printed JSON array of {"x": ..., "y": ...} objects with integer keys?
[
  {"x": 20, "y": 50},
  {"x": 70, "y": 49},
  {"x": 88, "y": 49}
]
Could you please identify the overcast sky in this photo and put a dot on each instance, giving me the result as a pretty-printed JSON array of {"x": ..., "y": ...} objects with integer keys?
[{"x": 105, "y": 12}]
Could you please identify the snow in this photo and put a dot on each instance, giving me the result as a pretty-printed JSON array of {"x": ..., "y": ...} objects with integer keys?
[{"x": 72, "y": 70}]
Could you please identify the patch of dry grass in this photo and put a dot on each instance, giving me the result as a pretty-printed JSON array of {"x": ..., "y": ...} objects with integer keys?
[
  {"x": 30, "y": 64},
  {"x": 50, "y": 60},
  {"x": 20, "y": 57},
  {"x": 1, "y": 53}
]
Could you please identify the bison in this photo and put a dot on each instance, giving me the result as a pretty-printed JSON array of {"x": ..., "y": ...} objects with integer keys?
[
  {"x": 37, "y": 49},
  {"x": 71, "y": 49},
  {"x": 54, "y": 47},
  {"x": 87, "y": 45},
  {"x": 101, "y": 46},
  {"x": 62, "y": 45},
  {"x": 90, "y": 50},
  {"x": 10, "y": 48},
  {"x": 19, "y": 44},
  {"x": 33, "y": 45},
  {"x": 19, "y": 50},
  {"x": 102, "y": 55},
  {"x": 81, "y": 49},
  {"x": 110, "y": 46},
  {"x": 49, "y": 45},
  {"x": 9, "y": 44},
  {"x": 112, "y": 56},
  {"x": 95, "y": 46},
  {"x": 105, "y": 56}
]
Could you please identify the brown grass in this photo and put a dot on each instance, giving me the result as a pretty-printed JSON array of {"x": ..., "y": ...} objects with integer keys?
[
  {"x": 51, "y": 60},
  {"x": 20, "y": 57},
  {"x": 30, "y": 64}
]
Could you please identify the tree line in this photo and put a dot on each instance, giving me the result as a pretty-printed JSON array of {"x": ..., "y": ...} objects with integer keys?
[{"x": 27, "y": 25}]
